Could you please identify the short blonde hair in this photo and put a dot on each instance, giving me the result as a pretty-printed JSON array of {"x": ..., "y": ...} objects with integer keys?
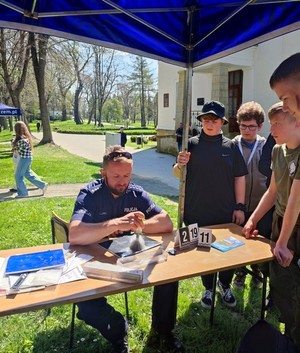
[
  {"x": 289, "y": 69},
  {"x": 116, "y": 153},
  {"x": 278, "y": 108}
]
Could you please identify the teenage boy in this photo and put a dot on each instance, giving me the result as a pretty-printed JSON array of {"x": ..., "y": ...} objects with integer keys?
[
  {"x": 285, "y": 81},
  {"x": 250, "y": 118},
  {"x": 284, "y": 192},
  {"x": 215, "y": 186}
]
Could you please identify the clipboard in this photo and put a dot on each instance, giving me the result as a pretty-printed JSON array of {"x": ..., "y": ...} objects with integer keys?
[{"x": 34, "y": 261}]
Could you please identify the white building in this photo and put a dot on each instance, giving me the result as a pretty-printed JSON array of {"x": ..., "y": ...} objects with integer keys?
[{"x": 232, "y": 80}]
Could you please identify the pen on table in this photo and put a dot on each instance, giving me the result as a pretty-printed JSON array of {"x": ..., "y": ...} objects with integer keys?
[{"x": 19, "y": 281}]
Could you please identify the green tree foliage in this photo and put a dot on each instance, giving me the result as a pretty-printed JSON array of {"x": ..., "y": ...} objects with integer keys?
[
  {"x": 143, "y": 84},
  {"x": 53, "y": 78},
  {"x": 112, "y": 111}
]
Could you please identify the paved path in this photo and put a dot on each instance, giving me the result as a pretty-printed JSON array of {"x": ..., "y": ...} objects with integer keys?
[{"x": 152, "y": 170}]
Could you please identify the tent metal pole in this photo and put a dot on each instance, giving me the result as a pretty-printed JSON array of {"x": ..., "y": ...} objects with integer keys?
[
  {"x": 186, "y": 124},
  {"x": 186, "y": 116}
]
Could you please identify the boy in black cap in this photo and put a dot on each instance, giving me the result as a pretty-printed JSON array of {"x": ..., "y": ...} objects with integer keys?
[{"x": 215, "y": 186}]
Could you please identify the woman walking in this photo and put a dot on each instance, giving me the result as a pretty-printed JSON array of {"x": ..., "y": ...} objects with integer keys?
[{"x": 23, "y": 145}]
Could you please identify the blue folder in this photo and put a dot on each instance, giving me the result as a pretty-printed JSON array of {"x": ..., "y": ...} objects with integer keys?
[{"x": 34, "y": 261}]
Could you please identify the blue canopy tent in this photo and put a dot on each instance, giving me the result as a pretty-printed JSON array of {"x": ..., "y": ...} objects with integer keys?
[
  {"x": 187, "y": 33},
  {"x": 5, "y": 110},
  {"x": 183, "y": 32}
]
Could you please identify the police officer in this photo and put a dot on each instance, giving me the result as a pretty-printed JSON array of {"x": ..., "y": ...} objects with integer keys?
[{"x": 111, "y": 206}]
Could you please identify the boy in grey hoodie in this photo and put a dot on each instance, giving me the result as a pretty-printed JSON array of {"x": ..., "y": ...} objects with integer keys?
[{"x": 250, "y": 118}]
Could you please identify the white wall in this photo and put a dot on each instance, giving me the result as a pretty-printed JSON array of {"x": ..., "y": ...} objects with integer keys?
[
  {"x": 167, "y": 83},
  {"x": 201, "y": 88},
  {"x": 257, "y": 63},
  {"x": 268, "y": 56}
]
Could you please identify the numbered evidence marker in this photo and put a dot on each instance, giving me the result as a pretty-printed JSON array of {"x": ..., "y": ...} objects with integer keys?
[
  {"x": 204, "y": 237},
  {"x": 187, "y": 236}
]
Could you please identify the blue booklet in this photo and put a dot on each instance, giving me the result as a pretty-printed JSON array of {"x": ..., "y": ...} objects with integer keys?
[
  {"x": 34, "y": 261},
  {"x": 227, "y": 244}
]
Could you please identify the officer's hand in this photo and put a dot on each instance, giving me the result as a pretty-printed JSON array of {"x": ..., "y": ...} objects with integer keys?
[{"x": 130, "y": 221}]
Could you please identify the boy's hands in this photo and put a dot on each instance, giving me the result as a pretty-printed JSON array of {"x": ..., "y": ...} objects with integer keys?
[
  {"x": 238, "y": 217},
  {"x": 283, "y": 255},
  {"x": 183, "y": 158},
  {"x": 249, "y": 229}
]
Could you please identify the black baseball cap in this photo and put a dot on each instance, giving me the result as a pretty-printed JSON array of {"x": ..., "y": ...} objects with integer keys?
[{"x": 214, "y": 107}]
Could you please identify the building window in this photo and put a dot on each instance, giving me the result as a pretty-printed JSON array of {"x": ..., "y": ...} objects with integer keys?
[
  {"x": 235, "y": 97},
  {"x": 166, "y": 100},
  {"x": 200, "y": 101}
]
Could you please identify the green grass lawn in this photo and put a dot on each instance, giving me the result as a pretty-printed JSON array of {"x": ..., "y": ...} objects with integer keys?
[
  {"x": 70, "y": 127},
  {"x": 27, "y": 223},
  {"x": 54, "y": 164}
]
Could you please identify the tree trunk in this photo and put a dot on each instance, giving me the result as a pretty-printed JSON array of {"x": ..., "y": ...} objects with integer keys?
[
  {"x": 63, "y": 107},
  {"x": 14, "y": 73},
  {"x": 39, "y": 66},
  {"x": 77, "y": 117},
  {"x": 3, "y": 123}
]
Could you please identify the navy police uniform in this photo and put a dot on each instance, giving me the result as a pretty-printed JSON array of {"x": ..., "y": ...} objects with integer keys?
[{"x": 95, "y": 204}]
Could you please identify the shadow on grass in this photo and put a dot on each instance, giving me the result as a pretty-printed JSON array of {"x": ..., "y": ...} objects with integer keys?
[
  {"x": 199, "y": 336},
  {"x": 98, "y": 166},
  {"x": 86, "y": 339},
  {"x": 94, "y": 164},
  {"x": 7, "y": 195},
  {"x": 229, "y": 324},
  {"x": 11, "y": 195},
  {"x": 6, "y": 154}
]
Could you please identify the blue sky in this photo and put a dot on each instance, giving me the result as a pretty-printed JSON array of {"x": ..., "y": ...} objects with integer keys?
[{"x": 126, "y": 60}]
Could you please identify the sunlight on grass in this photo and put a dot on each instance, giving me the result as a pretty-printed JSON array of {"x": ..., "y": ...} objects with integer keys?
[
  {"x": 54, "y": 164},
  {"x": 27, "y": 223},
  {"x": 69, "y": 126}
]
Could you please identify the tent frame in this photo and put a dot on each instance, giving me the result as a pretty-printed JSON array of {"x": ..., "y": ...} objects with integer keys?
[{"x": 192, "y": 46}]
